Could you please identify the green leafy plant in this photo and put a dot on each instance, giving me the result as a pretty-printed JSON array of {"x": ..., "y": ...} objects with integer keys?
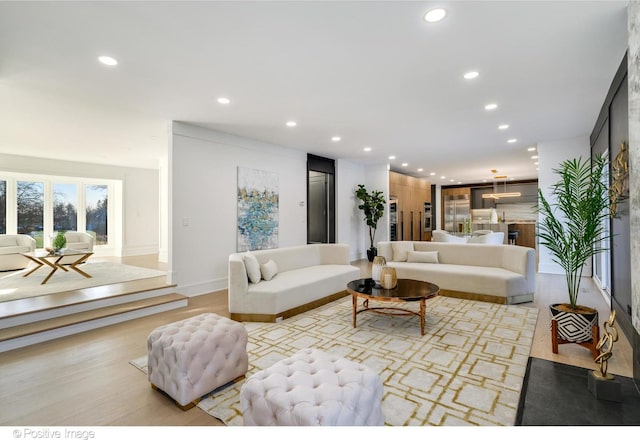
[
  {"x": 572, "y": 226},
  {"x": 372, "y": 204},
  {"x": 59, "y": 241}
]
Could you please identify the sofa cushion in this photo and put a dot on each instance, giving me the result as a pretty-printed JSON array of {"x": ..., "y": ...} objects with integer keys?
[
  {"x": 400, "y": 250},
  {"x": 300, "y": 286},
  {"x": 8, "y": 250},
  {"x": 253, "y": 267},
  {"x": 269, "y": 270},
  {"x": 422, "y": 257},
  {"x": 473, "y": 279},
  {"x": 8, "y": 240}
]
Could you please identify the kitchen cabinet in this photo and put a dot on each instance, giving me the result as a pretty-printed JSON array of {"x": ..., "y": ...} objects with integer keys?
[
  {"x": 411, "y": 194},
  {"x": 526, "y": 233}
]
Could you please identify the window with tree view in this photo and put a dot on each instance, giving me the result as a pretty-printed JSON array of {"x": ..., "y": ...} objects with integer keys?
[
  {"x": 96, "y": 210},
  {"x": 30, "y": 201},
  {"x": 65, "y": 207}
]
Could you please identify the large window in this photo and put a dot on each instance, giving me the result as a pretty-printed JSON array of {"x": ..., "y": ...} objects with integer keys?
[
  {"x": 65, "y": 207},
  {"x": 40, "y": 205},
  {"x": 96, "y": 208},
  {"x": 30, "y": 197}
]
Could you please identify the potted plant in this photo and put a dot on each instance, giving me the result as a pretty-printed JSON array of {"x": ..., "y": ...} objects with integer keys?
[
  {"x": 59, "y": 241},
  {"x": 572, "y": 230},
  {"x": 372, "y": 203}
]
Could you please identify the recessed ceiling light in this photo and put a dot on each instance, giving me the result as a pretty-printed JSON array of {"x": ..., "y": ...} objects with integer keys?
[
  {"x": 471, "y": 75},
  {"x": 223, "y": 100},
  {"x": 367, "y": 149},
  {"x": 512, "y": 178},
  {"x": 534, "y": 157},
  {"x": 459, "y": 183},
  {"x": 531, "y": 149},
  {"x": 536, "y": 163},
  {"x": 391, "y": 157},
  {"x": 291, "y": 123},
  {"x": 484, "y": 180},
  {"x": 336, "y": 138},
  {"x": 108, "y": 61},
  {"x": 537, "y": 169},
  {"x": 435, "y": 15},
  {"x": 451, "y": 180},
  {"x": 491, "y": 106},
  {"x": 503, "y": 126},
  {"x": 511, "y": 141},
  {"x": 405, "y": 164},
  {"x": 443, "y": 177},
  {"x": 420, "y": 170},
  {"x": 432, "y": 174}
]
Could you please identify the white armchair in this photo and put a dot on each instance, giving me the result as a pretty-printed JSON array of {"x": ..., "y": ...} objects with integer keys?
[
  {"x": 11, "y": 248},
  {"x": 492, "y": 238},
  {"x": 444, "y": 237},
  {"x": 80, "y": 241}
]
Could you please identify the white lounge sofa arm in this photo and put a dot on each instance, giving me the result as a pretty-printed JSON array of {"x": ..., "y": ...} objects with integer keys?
[
  {"x": 238, "y": 283},
  {"x": 26, "y": 240},
  {"x": 334, "y": 254}
]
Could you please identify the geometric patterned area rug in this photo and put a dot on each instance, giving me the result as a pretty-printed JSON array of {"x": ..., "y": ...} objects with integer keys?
[{"x": 468, "y": 368}]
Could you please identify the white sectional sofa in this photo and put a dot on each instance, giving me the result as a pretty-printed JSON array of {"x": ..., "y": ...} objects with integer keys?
[
  {"x": 306, "y": 277},
  {"x": 11, "y": 246},
  {"x": 502, "y": 274}
]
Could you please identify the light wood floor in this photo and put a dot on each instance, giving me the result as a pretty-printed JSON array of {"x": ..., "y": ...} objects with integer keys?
[{"x": 85, "y": 379}]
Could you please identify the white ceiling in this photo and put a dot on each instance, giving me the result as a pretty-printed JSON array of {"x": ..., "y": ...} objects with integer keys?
[{"x": 374, "y": 73}]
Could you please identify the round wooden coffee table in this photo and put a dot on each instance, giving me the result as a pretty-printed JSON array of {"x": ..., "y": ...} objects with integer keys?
[{"x": 405, "y": 291}]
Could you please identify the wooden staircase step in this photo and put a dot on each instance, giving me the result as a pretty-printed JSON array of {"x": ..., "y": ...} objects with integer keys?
[
  {"x": 86, "y": 295},
  {"x": 90, "y": 315}
]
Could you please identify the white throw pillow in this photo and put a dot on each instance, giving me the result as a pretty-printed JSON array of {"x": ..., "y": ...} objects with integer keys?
[
  {"x": 400, "y": 250},
  {"x": 269, "y": 270},
  {"x": 253, "y": 267},
  {"x": 422, "y": 257}
]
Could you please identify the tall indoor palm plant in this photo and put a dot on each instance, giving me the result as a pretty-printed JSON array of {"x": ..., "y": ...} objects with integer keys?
[
  {"x": 572, "y": 226},
  {"x": 572, "y": 229}
]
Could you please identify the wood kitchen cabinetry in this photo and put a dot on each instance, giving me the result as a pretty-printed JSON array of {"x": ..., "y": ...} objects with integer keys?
[
  {"x": 411, "y": 194},
  {"x": 526, "y": 234}
]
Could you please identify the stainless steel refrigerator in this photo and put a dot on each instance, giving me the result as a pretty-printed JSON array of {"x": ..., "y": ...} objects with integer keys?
[{"x": 457, "y": 209}]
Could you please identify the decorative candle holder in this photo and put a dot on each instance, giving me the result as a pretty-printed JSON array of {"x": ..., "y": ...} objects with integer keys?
[
  {"x": 388, "y": 278},
  {"x": 378, "y": 263}
]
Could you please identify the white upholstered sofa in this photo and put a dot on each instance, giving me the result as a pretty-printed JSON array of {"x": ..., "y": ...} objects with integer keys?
[
  {"x": 305, "y": 277},
  {"x": 11, "y": 246},
  {"x": 501, "y": 274}
]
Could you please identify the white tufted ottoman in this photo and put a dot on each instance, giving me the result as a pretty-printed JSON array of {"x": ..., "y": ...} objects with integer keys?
[
  {"x": 192, "y": 357},
  {"x": 313, "y": 388}
]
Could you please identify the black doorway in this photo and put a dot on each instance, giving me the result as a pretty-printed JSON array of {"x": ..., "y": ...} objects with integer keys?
[{"x": 321, "y": 200}]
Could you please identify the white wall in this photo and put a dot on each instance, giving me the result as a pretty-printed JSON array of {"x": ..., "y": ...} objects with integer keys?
[
  {"x": 376, "y": 178},
  {"x": 140, "y": 198},
  {"x": 350, "y": 226},
  {"x": 551, "y": 154},
  {"x": 203, "y": 205}
]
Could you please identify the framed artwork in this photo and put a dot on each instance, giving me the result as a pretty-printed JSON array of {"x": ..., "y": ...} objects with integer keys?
[{"x": 257, "y": 209}]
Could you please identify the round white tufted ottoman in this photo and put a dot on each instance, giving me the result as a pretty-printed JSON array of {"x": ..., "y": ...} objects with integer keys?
[
  {"x": 190, "y": 358},
  {"x": 313, "y": 388}
]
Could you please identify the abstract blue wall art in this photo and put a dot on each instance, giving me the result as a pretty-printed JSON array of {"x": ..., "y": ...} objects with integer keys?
[{"x": 257, "y": 209}]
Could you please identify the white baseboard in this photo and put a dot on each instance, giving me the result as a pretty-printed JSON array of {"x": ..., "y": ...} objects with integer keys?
[
  {"x": 132, "y": 251},
  {"x": 202, "y": 288}
]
